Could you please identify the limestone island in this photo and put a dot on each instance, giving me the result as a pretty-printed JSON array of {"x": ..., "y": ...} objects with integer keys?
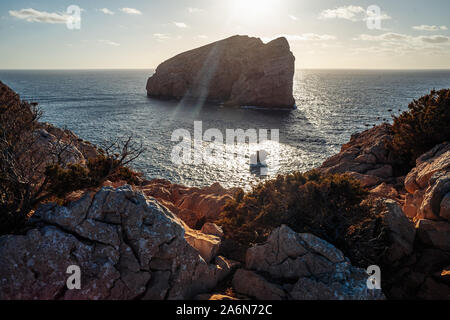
[{"x": 237, "y": 71}]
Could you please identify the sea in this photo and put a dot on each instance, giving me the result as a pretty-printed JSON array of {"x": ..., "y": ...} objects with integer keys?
[{"x": 186, "y": 141}]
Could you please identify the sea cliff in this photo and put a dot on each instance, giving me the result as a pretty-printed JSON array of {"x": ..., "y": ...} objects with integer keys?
[{"x": 239, "y": 70}]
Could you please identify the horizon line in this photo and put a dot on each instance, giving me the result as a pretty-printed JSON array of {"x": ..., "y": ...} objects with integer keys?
[{"x": 154, "y": 68}]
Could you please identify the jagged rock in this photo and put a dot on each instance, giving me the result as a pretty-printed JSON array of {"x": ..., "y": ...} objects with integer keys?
[
  {"x": 127, "y": 246},
  {"x": 428, "y": 185},
  {"x": 52, "y": 143},
  {"x": 238, "y": 70},
  {"x": 195, "y": 206},
  {"x": 401, "y": 232},
  {"x": 366, "y": 157},
  {"x": 88, "y": 150},
  {"x": 253, "y": 285},
  {"x": 309, "y": 262},
  {"x": 206, "y": 244},
  {"x": 435, "y": 160},
  {"x": 212, "y": 228},
  {"x": 385, "y": 190},
  {"x": 365, "y": 180}
]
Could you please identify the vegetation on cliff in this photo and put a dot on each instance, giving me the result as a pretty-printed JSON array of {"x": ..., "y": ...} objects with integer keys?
[
  {"x": 329, "y": 206},
  {"x": 426, "y": 124},
  {"x": 34, "y": 170}
]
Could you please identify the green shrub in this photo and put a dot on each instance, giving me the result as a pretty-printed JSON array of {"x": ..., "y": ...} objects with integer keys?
[
  {"x": 104, "y": 167},
  {"x": 323, "y": 204},
  {"x": 23, "y": 182},
  {"x": 333, "y": 207},
  {"x": 62, "y": 181},
  {"x": 426, "y": 124}
]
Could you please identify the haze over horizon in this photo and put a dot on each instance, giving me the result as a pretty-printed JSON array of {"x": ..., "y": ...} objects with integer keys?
[{"x": 330, "y": 34}]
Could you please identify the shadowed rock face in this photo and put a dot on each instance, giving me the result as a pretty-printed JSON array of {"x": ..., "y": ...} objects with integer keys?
[
  {"x": 302, "y": 267},
  {"x": 126, "y": 245},
  {"x": 238, "y": 71}
]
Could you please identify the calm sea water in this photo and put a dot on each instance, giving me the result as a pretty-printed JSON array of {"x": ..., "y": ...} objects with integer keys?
[{"x": 100, "y": 105}]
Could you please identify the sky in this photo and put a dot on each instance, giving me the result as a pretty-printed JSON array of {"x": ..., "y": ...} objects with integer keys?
[{"x": 375, "y": 34}]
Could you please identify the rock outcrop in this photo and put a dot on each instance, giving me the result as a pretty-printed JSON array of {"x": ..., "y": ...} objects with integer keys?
[
  {"x": 427, "y": 204},
  {"x": 195, "y": 206},
  {"x": 367, "y": 158},
  {"x": 126, "y": 245},
  {"x": 300, "y": 267},
  {"x": 428, "y": 185},
  {"x": 53, "y": 142},
  {"x": 238, "y": 70}
]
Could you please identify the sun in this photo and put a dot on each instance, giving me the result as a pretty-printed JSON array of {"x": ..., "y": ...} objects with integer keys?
[{"x": 252, "y": 9}]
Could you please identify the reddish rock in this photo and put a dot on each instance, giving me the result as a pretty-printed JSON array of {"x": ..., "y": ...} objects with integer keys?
[
  {"x": 238, "y": 70},
  {"x": 435, "y": 160},
  {"x": 213, "y": 229},
  {"x": 207, "y": 245},
  {"x": 366, "y": 158},
  {"x": 126, "y": 245},
  {"x": 385, "y": 190},
  {"x": 195, "y": 206},
  {"x": 428, "y": 185}
]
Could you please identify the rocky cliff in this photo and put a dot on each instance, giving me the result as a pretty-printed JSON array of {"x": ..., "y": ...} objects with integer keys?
[
  {"x": 422, "y": 270},
  {"x": 128, "y": 246},
  {"x": 157, "y": 240},
  {"x": 238, "y": 71}
]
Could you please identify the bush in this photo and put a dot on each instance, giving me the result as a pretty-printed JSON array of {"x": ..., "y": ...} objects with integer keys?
[
  {"x": 323, "y": 204},
  {"x": 333, "y": 207},
  {"x": 18, "y": 120},
  {"x": 62, "y": 181},
  {"x": 426, "y": 124},
  {"x": 105, "y": 166},
  {"x": 31, "y": 173}
]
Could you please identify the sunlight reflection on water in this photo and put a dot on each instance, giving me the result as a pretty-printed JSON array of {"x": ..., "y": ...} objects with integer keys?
[{"x": 99, "y": 105}]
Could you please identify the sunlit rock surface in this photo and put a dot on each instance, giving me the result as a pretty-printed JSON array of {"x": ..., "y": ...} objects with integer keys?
[
  {"x": 238, "y": 71},
  {"x": 301, "y": 267},
  {"x": 127, "y": 246}
]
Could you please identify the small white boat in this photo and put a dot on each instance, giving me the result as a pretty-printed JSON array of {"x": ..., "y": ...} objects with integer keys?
[{"x": 258, "y": 160}]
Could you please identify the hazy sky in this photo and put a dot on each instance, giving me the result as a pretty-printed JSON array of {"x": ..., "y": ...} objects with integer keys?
[{"x": 142, "y": 33}]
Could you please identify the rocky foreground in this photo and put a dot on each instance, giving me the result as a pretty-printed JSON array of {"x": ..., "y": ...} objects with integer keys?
[
  {"x": 129, "y": 246},
  {"x": 239, "y": 71},
  {"x": 157, "y": 240}
]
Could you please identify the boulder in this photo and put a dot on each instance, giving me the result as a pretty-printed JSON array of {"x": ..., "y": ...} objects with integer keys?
[
  {"x": 253, "y": 285},
  {"x": 239, "y": 70},
  {"x": 126, "y": 245},
  {"x": 365, "y": 157},
  {"x": 206, "y": 244},
  {"x": 385, "y": 190},
  {"x": 435, "y": 160},
  {"x": 401, "y": 232},
  {"x": 195, "y": 206},
  {"x": 213, "y": 229},
  {"x": 428, "y": 185},
  {"x": 306, "y": 266}
]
